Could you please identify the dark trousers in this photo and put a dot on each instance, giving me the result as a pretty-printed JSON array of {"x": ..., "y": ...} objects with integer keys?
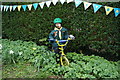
[{"x": 56, "y": 50}]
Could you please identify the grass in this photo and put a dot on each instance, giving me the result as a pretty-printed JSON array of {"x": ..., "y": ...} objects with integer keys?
[
  {"x": 23, "y": 70},
  {"x": 0, "y": 66}
]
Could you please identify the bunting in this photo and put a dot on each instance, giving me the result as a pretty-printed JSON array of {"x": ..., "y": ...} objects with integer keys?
[
  {"x": 29, "y": 7},
  {"x": 42, "y": 4},
  {"x": 4, "y": 8},
  {"x": 7, "y": 7},
  {"x": 108, "y": 9},
  {"x": 62, "y": 1},
  {"x": 24, "y": 7},
  {"x": 54, "y": 1},
  {"x": 14, "y": 7},
  {"x": 10, "y": 8},
  {"x": 68, "y": 1},
  {"x": 48, "y": 3},
  {"x": 35, "y": 5},
  {"x": 116, "y": 11},
  {"x": 1, "y": 7},
  {"x": 86, "y": 5},
  {"x": 77, "y": 2},
  {"x": 19, "y": 7},
  {"x": 96, "y": 7}
]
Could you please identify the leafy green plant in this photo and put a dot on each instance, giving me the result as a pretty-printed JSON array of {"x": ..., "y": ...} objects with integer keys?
[
  {"x": 17, "y": 51},
  {"x": 44, "y": 60}
]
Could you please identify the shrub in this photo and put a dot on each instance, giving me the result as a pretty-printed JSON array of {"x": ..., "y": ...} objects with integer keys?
[
  {"x": 17, "y": 51},
  {"x": 97, "y": 32}
]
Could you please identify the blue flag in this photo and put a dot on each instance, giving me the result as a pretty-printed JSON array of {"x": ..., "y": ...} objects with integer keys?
[
  {"x": 96, "y": 7},
  {"x": 35, "y": 5},
  {"x": 77, "y": 2},
  {"x": 24, "y": 7},
  {"x": 7, "y": 8},
  {"x": 116, "y": 11}
]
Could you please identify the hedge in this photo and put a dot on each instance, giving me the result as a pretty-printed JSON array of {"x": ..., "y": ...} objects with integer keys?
[{"x": 94, "y": 31}]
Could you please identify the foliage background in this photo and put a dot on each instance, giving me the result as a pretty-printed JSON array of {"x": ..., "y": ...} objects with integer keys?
[{"x": 94, "y": 32}]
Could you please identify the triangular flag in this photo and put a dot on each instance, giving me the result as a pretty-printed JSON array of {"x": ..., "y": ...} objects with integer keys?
[
  {"x": 68, "y": 1},
  {"x": 116, "y": 11},
  {"x": 35, "y": 5},
  {"x": 19, "y": 7},
  {"x": 10, "y": 8},
  {"x": 54, "y": 1},
  {"x": 29, "y": 7},
  {"x": 4, "y": 8},
  {"x": 62, "y": 1},
  {"x": 96, "y": 7},
  {"x": 77, "y": 2},
  {"x": 108, "y": 9},
  {"x": 1, "y": 7},
  {"x": 86, "y": 5},
  {"x": 48, "y": 3},
  {"x": 7, "y": 8},
  {"x": 14, "y": 7},
  {"x": 42, "y": 4},
  {"x": 24, "y": 7}
]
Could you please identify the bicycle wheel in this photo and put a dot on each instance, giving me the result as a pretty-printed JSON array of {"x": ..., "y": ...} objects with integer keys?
[{"x": 64, "y": 61}]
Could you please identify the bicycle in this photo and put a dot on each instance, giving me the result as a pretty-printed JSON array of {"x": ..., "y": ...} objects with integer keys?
[{"x": 63, "y": 59}]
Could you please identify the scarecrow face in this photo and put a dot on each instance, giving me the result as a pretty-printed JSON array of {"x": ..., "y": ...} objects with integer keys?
[{"x": 58, "y": 25}]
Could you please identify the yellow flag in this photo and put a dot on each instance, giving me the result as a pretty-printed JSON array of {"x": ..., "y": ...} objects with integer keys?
[
  {"x": 108, "y": 9},
  {"x": 30, "y": 6},
  {"x": 10, "y": 8},
  {"x": 19, "y": 7}
]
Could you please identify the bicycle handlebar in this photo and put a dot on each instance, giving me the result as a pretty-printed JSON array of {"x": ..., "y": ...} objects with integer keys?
[{"x": 60, "y": 41}]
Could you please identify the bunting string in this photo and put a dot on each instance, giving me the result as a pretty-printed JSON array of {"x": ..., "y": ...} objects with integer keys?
[{"x": 96, "y": 7}]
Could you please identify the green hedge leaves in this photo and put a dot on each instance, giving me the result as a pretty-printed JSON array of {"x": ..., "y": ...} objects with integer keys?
[{"x": 96, "y": 31}]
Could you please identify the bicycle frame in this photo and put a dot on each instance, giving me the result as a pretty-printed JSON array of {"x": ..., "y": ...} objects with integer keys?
[
  {"x": 62, "y": 50},
  {"x": 61, "y": 47}
]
